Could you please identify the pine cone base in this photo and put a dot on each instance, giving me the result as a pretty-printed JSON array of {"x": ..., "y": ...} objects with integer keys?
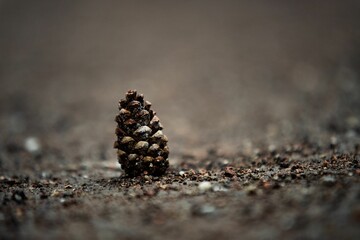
[{"x": 142, "y": 146}]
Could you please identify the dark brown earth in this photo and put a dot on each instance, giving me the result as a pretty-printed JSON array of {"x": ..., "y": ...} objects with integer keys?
[{"x": 260, "y": 102}]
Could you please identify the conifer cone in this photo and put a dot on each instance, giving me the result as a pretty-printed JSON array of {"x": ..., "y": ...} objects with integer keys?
[{"x": 142, "y": 146}]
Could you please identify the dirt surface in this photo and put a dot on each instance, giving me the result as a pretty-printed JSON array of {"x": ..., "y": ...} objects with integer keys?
[{"x": 260, "y": 102}]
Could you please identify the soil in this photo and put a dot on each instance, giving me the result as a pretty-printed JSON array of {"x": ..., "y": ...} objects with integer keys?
[{"x": 260, "y": 102}]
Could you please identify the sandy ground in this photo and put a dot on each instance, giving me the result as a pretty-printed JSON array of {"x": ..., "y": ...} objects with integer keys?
[{"x": 260, "y": 102}]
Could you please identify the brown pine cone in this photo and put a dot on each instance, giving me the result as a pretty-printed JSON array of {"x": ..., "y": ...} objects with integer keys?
[{"x": 142, "y": 146}]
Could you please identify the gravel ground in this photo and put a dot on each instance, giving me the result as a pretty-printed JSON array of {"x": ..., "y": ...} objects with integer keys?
[{"x": 260, "y": 103}]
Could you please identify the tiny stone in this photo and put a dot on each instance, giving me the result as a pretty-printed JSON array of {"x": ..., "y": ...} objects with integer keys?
[
  {"x": 219, "y": 188},
  {"x": 333, "y": 140},
  {"x": 207, "y": 209},
  {"x": 205, "y": 186},
  {"x": 45, "y": 175},
  {"x": 251, "y": 190},
  {"x": 328, "y": 180},
  {"x": 201, "y": 210},
  {"x": 225, "y": 161},
  {"x": 229, "y": 172},
  {"x": 272, "y": 148},
  {"x": 32, "y": 144},
  {"x": 19, "y": 197}
]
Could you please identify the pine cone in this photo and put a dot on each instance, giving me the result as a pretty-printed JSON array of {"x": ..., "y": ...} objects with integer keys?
[{"x": 142, "y": 146}]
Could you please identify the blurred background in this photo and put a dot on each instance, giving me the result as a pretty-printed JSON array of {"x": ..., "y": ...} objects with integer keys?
[{"x": 224, "y": 74}]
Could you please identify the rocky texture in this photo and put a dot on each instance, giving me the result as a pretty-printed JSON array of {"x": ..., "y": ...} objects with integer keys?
[{"x": 318, "y": 188}]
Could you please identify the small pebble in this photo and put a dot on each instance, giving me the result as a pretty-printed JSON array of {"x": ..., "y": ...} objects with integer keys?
[
  {"x": 205, "y": 186},
  {"x": 328, "y": 180},
  {"x": 19, "y": 196},
  {"x": 219, "y": 188},
  {"x": 251, "y": 190},
  {"x": 32, "y": 144},
  {"x": 272, "y": 148},
  {"x": 230, "y": 172},
  {"x": 207, "y": 209},
  {"x": 225, "y": 161},
  {"x": 202, "y": 210},
  {"x": 45, "y": 175}
]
